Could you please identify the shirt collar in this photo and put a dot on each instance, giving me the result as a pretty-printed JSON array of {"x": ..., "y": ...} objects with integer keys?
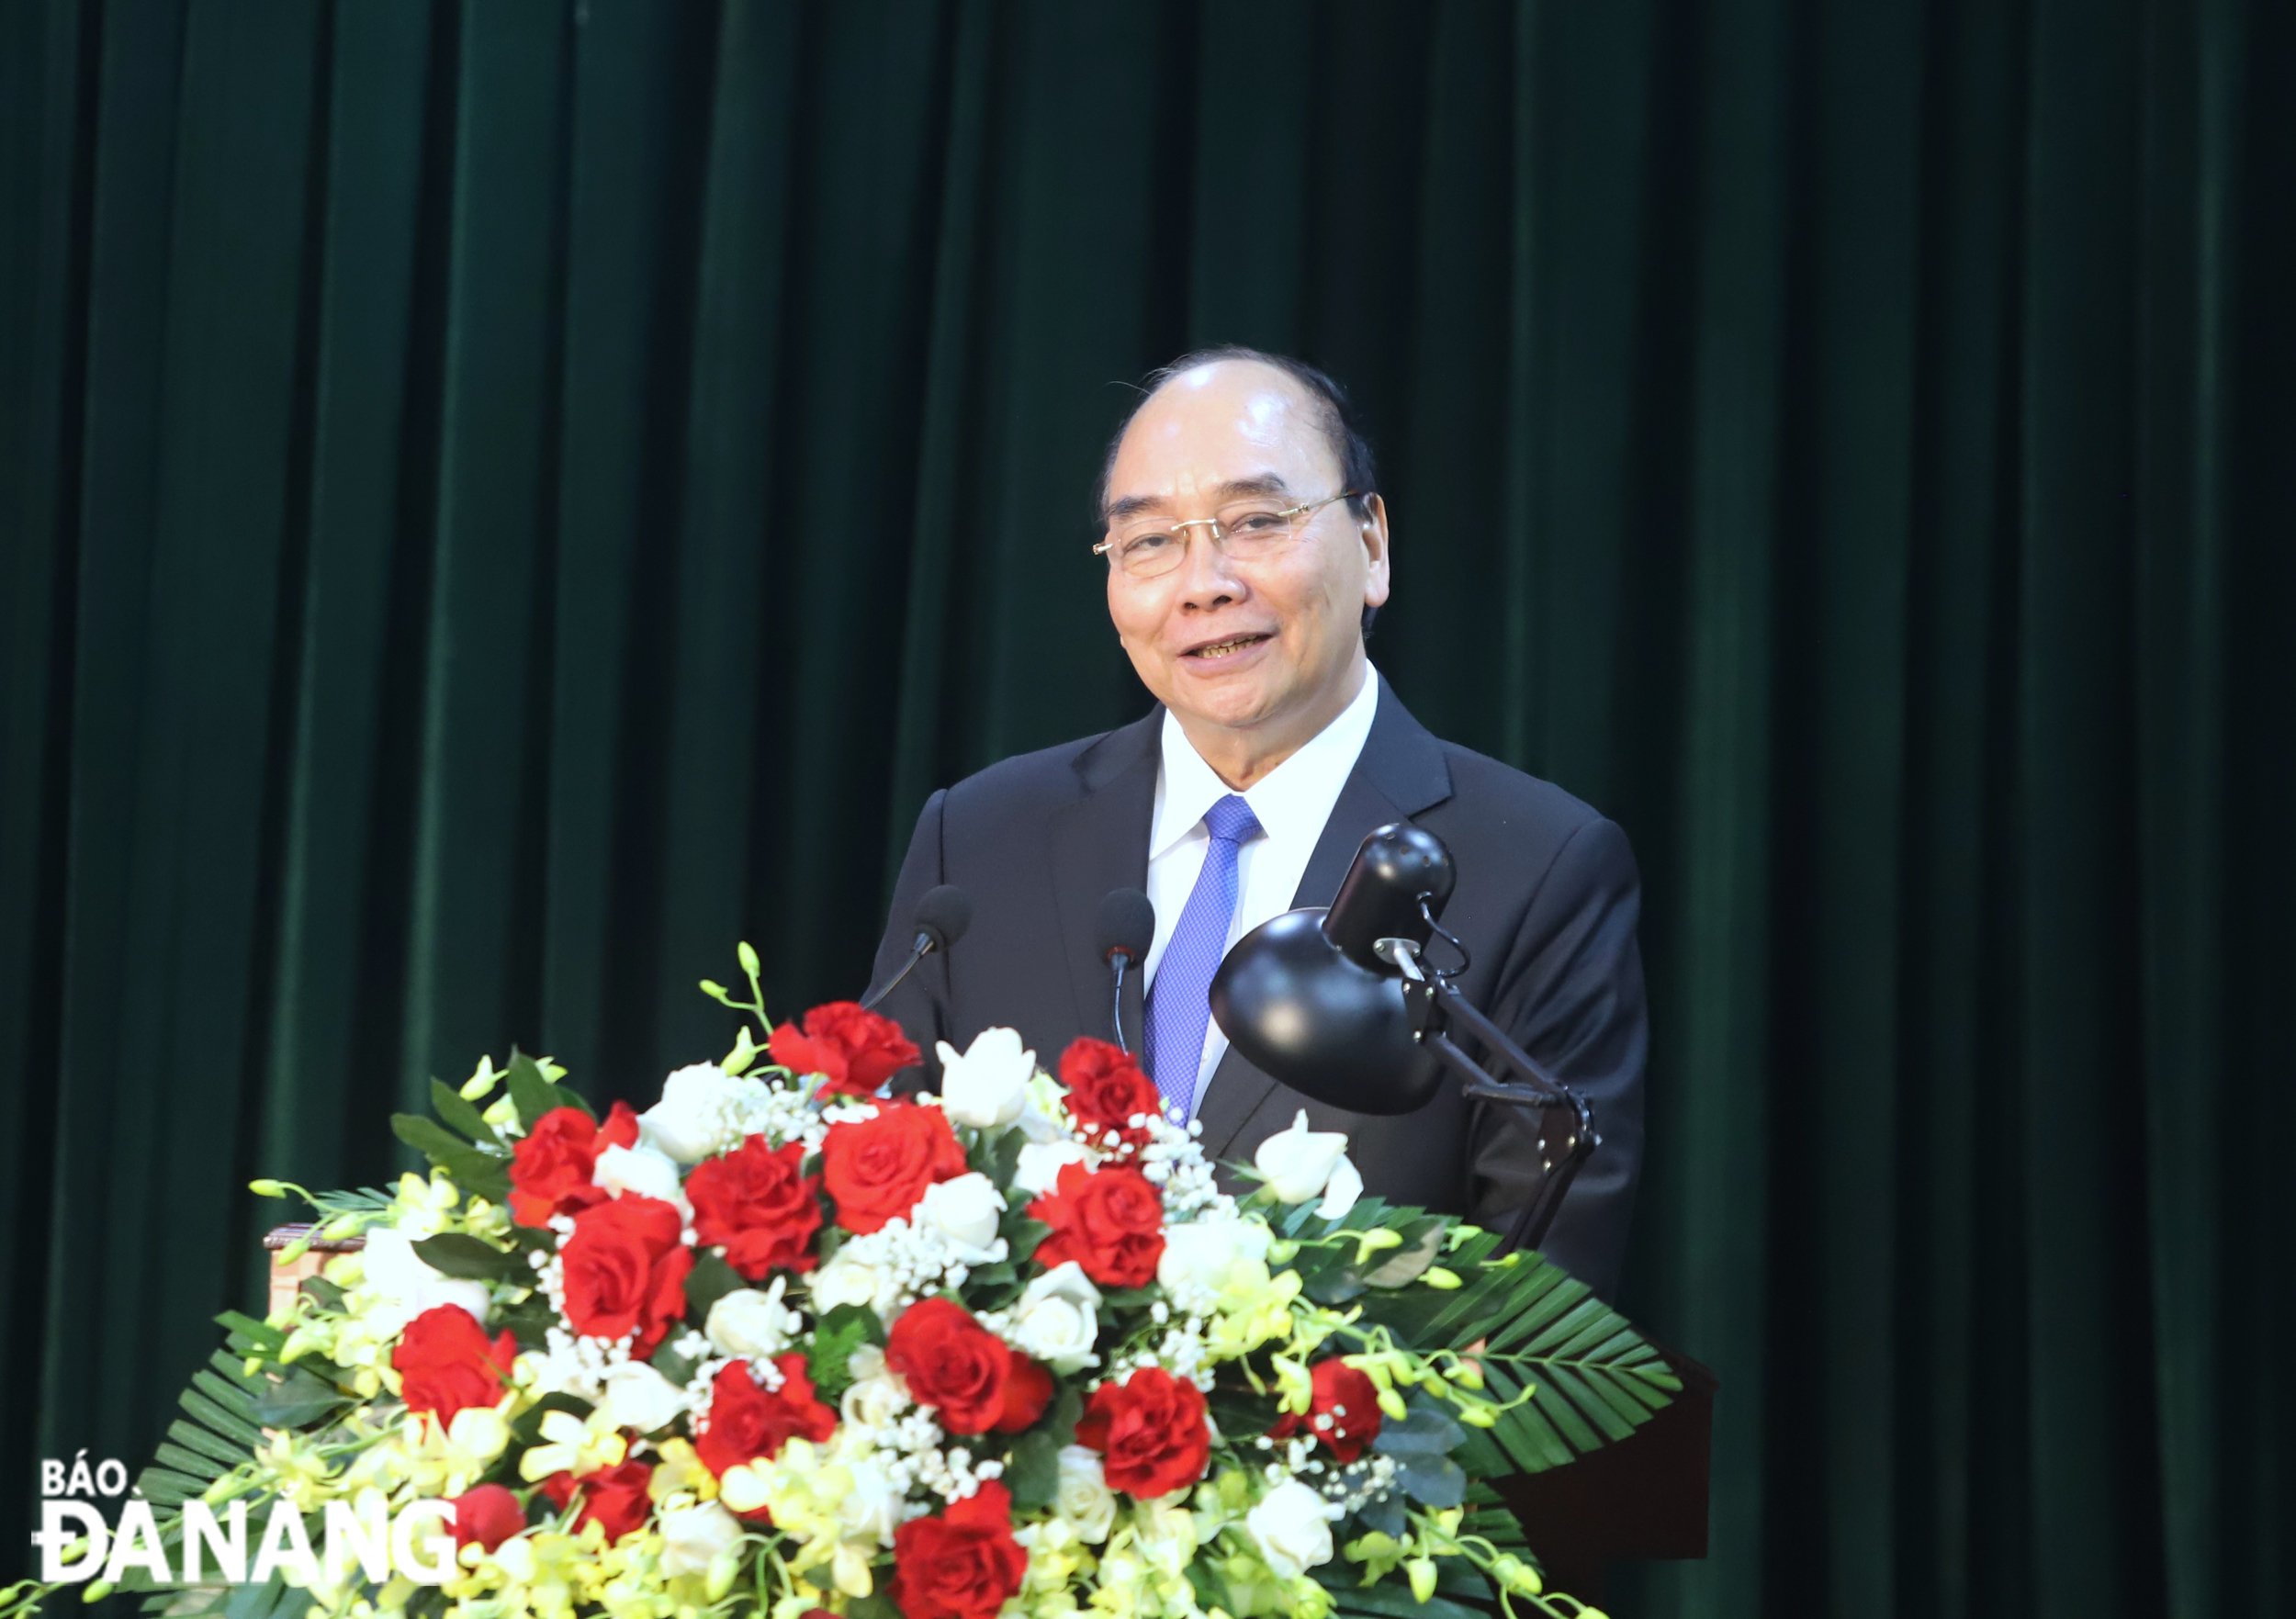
[{"x": 1291, "y": 801}]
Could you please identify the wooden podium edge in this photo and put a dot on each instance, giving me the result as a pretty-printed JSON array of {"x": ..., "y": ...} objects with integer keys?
[{"x": 288, "y": 1275}]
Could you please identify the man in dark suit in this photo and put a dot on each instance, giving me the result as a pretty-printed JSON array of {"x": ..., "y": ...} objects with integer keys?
[{"x": 1246, "y": 549}]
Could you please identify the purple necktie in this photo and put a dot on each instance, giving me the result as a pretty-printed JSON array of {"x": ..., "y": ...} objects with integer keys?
[{"x": 1179, "y": 1008}]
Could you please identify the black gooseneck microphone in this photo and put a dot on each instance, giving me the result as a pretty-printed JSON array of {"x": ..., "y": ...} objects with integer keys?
[
  {"x": 943, "y": 916},
  {"x": 1128, "y": 926}
]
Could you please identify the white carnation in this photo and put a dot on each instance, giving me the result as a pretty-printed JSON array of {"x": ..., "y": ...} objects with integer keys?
[
  {"x": 640, "y": 1169},
  {"x": 405, "y": 1287},
  {"x": 704, "y": 1110}
]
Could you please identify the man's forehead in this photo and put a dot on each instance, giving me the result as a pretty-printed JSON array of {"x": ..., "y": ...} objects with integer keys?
[{"x": 1228, "y": 427}]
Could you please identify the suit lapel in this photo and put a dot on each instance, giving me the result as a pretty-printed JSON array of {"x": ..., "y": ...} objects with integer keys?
[
  {"x": 1400, "y": 772},
  {"x": 1099, "y": 842}
]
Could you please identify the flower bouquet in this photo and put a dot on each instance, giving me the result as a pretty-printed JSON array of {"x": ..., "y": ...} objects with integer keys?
[{"x": 786, "y": 1343}]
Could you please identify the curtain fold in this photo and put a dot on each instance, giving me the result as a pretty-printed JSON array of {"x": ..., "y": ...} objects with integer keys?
[{"x": 498, "y": 503}]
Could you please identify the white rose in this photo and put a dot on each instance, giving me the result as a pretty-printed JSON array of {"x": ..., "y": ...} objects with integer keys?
[
  {"x": 640, "y": 1169},
  {"x": 752, "y": 1324},
  {"x": 1198, "y": 1254},
  {"x": 1039, "y": 1165},
  {"x": 701, "y": 1112},
  {"x": 638, "y": 1397},
  {"x": 965, "y": 1209},
  {"x": 408, "y": 1287},
  {"x": 870, "y": 1509},
  {"x": 846, "y": 1281},
  {"x": 694, "y": 1537},
  {"x": 987, "y": 1084},
  {"x": 1083, "y": 1497},
  {"x": 874, "y": 1403},
  {"x": 1298, "y": 1163},
  {"x": 1292, "y": 1528},
  {"x": 1055, "y": 1320}
]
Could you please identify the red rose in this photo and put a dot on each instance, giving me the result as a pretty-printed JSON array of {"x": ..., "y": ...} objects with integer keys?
[
  {"x": 625, "y": 1271},
  {"x": 878, "y": 1168},
  {"x": 1106, "y": 1090},
  {"x": 485, "y": 1516},
  {"x": 1028, "y": 1391},
  {"x": 1110, "y": 1221},
  {"x": 963, "y": 1565},
  {"x": 964, "y": 1371},
  {"x": 446, "y": 1364},
  {"x": 1149, "y": 1431},
  {"x": 854, "y": 1051},
  {"x": 747, "y": 1424},
  {"x": 754, "y": 1204},
  {"x": 612, "y": 1498},
  {"x": 552, "y": 1165},
  {"x": 1345, "y": 1413}
]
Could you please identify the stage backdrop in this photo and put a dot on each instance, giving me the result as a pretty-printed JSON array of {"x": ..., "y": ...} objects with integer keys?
[{"x": 503, "y": 500}]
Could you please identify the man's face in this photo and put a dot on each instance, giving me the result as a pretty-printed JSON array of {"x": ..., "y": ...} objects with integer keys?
[{"x": 1268, "y": 647}]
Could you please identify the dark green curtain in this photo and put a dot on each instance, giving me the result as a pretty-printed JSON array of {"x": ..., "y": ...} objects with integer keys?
[{"x": 503, "y": 500}]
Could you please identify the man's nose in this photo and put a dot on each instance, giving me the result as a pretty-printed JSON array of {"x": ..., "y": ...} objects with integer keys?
[{"x": 1207, "y": 574}]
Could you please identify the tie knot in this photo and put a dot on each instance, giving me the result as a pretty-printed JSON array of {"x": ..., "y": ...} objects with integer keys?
[{"x": 1231, "y": 820}]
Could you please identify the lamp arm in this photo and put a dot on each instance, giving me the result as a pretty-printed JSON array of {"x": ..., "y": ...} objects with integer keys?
[{"x": 1437, "y": 1006}]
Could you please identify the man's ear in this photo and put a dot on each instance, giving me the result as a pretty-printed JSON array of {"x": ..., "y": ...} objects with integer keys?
[{"x": 1371, "y": 528}]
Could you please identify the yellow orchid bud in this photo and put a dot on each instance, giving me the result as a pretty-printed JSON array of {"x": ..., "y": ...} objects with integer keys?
[
  {"x": 1440, "y": 1278},
  {"x": 1422, "y": 1573},
  {"x": 1468, "y": 1374},
  {"x": 1392, "y": 1404},
  {"x": 1479, "y": 1414}
]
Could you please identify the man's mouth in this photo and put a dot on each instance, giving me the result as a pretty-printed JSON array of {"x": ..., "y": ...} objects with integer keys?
[{"x": 1210, "y": 650}]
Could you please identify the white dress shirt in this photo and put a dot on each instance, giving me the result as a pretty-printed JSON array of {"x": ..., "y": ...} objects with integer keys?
[{"x": 1292, "y": 803}]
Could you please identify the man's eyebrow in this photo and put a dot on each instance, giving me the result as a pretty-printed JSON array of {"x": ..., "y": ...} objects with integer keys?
[{"x": 1236, "y": 489}]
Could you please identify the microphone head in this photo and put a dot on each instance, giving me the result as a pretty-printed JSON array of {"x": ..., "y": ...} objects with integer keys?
[
  {"x": 943, "y": 914},
  {"x": 1128, "y": 924}
]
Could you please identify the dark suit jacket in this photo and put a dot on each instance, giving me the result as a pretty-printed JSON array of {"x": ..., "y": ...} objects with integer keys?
[{"x": 1547, "y": 903}]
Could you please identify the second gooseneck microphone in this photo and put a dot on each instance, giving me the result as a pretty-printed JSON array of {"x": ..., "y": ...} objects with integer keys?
[
  {"x": 943, "y": 916},
  {"x": 1128, "y": 926}
]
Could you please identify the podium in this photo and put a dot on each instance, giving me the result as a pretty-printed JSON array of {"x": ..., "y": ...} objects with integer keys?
[{"x": 1641, "y": 1499}]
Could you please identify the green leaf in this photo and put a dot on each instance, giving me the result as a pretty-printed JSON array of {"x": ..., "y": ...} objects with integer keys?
[
  {"x": 710, "y": 1280},
  {"x": 1032, "y": 1471},
  {"x": 298, "y": 1400},
  {"x": 531, "y": 1092},
  {"x": 838, "y": 1334},
  {"x": 450, "y": 1106},
  {"x": 676, "y": 1367},
  {"x": 1433, "y": 1482},
  {"x": 474, "y": 1259},
  {"x": 1426, "y": 1431}
]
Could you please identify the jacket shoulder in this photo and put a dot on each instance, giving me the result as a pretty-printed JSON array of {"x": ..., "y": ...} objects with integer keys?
[
  {"x": 1026, "y": 782},
  {"x": 1487, "y": 787}
]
